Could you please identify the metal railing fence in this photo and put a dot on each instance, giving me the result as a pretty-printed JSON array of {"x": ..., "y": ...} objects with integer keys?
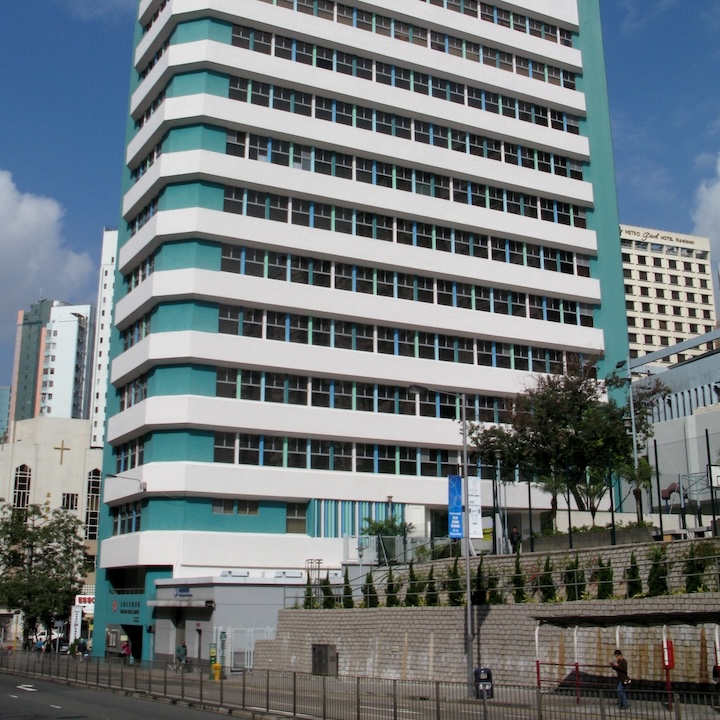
[{"x": 360, "y": 698}]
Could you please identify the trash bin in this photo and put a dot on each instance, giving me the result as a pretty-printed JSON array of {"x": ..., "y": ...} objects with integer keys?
[
  {"x": 216, "y": 671},
  {"x": 483, "y": 682}
]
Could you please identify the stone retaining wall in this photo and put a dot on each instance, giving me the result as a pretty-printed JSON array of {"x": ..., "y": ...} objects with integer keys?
[{"x": 427, "y": 643}]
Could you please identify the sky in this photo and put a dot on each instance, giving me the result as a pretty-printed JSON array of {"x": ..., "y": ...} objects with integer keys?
[{"x": 64, "y": 79}]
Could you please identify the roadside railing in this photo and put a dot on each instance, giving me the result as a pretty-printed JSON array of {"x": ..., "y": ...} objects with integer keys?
[{"x": 361, "y": 698}]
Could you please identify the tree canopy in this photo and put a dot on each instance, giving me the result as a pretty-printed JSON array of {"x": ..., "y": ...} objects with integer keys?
[
  {"x": 569, "y": 433},
  {"x": 42, "y": 562}
]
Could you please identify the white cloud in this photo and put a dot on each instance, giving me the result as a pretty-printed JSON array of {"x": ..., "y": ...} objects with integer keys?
[
  {"x": 639, "y": 13},
  {"x": 34, "y": 260},
  {"x": 706, "y": 213}
]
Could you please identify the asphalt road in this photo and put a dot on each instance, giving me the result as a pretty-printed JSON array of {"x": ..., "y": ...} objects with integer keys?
[{"x": 34, "y": 699}]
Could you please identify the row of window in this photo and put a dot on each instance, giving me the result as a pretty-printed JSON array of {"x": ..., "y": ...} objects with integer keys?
[
  {"x": 352, "y": 221},
  {"x": 342, "y": 334},
  {"x": 447, "y": 137},
  {"x": 129, "y": 455},
  {"x": 485, "y": 11},
  {"x": 314, "y": 159},
  {"x": 313, "y": 454},
  {"x": 155, "y": 16},
  {"x": 423, "y": 37},
  {"x": 648, "y": 290},
  {"x": 671, "y": 263},
  {"x": 643, "y": 246},
  {"x": 662, "y": 340},
  {"x": 403, "y": 78},
  {"x": 658, "y": 277},
  {"x": 265, "y": 386},
  {"x": 399, "y": 177},
  {"x": 134, "y": 333},
  {"x": 235, "y": 506},
  {"x": 126, "y": 518},
  {"x": 133, "y": 392},
  {"x": 282, "y": 266},
  {"x": 506, "y": 18},
  {"x": 662, "y": 309}
]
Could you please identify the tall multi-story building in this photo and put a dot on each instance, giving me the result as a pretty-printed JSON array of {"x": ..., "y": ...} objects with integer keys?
[
  {"x": 103, "y": 326},
  {"x": 26, "y": 366},
  {"x": 326, "y": 204},
  {"x": 668, "y": 290},
  {"x": 53, "y": 358}
]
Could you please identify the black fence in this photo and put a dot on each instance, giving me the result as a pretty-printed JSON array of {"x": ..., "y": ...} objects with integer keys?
[{"x": 357, "y": 698}]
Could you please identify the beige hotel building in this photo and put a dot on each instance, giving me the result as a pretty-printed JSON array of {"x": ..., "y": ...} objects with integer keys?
[{"x": 668, "y": 290}]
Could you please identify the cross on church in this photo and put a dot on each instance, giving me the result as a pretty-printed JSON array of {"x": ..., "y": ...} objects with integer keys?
[{"x": 62, "y": 450}]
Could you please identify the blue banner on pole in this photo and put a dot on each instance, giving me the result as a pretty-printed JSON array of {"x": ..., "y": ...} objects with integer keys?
[{"x": 455, "y": 506}]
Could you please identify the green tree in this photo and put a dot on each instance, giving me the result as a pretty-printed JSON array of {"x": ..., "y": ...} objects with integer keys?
[
  {"x": 658, "y": 573},
  {"x": 329, "y": 600},
  {"x": 548, "y": 591},
  {"x": 392, "y": 589},
  {"x": 518, "y": 581},
  {"x": 431, "y": 593},
  {"x": 574, "y": 580},
  {"x": 370, "y": 596},
  {"x": 562, "y": 430},
  {"x": 309, "y": 599},
  {"x": 603, "y": 575},
  {"x": 494, "y": 593},
  {"x": 634, "y": 583},
  {"x": 456, "y": 593},
  {"x": 415, "y": 587},
  {"x": 481, "y": 585},
  {"x": 699, "y": 557},
  {"x": 42, "y": 563},
  {"x": 347, "y": 600}
]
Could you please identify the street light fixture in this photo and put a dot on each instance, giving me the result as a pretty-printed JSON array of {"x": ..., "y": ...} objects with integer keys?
[{"x": 416, "y": 390}]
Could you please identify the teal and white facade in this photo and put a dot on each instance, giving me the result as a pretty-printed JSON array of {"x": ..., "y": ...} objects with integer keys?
[{"x": 324, "y": 204}]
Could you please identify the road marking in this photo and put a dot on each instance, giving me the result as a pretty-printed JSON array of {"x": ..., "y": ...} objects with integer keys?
[
  {"x": 57, "y": 707},
  {"x": 27, "y": 688}
]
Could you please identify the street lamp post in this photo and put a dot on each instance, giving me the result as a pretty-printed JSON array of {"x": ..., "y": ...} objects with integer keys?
[
  {"x": 495, "y": 485},
  {"x": 415, "y": 390}
]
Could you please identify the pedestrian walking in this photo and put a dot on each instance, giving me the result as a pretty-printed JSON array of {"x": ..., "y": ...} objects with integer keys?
[{"x": 619, "y": 664}]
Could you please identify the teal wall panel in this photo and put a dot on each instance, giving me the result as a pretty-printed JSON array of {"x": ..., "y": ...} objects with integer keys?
[
  {"x": 182, "y": 380},
  {"x": 197, "y": 83},
  {"x": 203, "y": 29},
  {"x": 192, "y": 194},
  {"x": 185, "y": 315},
  {"x": 195, "y": 137},
  {"x": 180, "y": 446},
  {"x": 181, "y": 254}
]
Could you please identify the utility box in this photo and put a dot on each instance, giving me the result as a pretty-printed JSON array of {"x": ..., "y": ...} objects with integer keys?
[{"x": 324, "y": 660}]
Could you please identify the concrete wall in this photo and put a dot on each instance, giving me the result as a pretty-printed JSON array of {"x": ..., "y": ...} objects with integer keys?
[{"x": 428, "y": 643}]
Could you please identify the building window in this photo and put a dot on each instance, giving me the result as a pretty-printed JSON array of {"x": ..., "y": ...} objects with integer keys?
[
  {"x": 296, "y": 518},
  {"x": 21, "y": 489},
  {"x": 69, "y": 501},
  {"x": 92, "y": 509},
  {"x": 223, "y": 506}
]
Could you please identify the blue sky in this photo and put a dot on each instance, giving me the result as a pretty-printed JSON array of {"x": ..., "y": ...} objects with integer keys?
[{"x": 65, "y": 68}]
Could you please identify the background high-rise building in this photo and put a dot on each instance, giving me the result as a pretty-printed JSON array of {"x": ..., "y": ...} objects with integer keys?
[
  {"x": 103, "y": 327},
  {"x": 668, "y": 290},
  {"x": 29, "y": 342},
  {"x": 52, "y": 368},
  {"x": 326, "y": 204}
]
